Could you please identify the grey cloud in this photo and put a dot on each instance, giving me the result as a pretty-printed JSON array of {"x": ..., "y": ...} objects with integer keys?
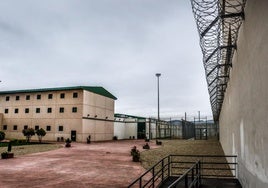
[{"x": 118, "y": 44}]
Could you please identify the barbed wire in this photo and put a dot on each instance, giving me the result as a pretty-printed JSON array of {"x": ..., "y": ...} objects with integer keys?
[{"x": 218, "y": 22}]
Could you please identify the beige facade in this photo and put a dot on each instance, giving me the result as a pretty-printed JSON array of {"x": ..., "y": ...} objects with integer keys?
[{"x": 75, "y": 112}]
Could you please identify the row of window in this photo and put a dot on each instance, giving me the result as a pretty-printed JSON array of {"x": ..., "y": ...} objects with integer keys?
[
  {"x": 36, "y": 127},
  {"x": 38, "y": 110},
  {"x": 38, "y": 97}
]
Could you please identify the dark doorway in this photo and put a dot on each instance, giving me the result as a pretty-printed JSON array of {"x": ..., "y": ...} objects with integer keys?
[
  {"x": 201, "y": 134},
  {"x": 73, "y": 136},
  {"x": 141, "y": 130},
  {"x": 188, "y": 130}
]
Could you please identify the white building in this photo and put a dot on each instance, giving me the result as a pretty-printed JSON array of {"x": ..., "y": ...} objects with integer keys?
[{"x": 129, "y": 126}]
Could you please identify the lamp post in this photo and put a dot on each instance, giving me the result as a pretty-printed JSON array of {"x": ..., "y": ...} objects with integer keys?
[{"x": 158, "y": 114}]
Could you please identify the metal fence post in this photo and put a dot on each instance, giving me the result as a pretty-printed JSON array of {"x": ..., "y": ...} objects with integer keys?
[
  {"x": 200, "y": 172},
  {"x": 236, "y": 167},
  {"x": 153, "y": 177},
  {"x": 169, "y": 169},
  {"x": 186, "y": 181},
  {"x": 162, "y": 170},
  {"x": 192, "y": 174},
  {"x": 197, "y": 173}
]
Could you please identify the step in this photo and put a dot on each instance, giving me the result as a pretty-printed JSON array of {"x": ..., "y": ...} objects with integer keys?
[{"x": 207, "y": 183}]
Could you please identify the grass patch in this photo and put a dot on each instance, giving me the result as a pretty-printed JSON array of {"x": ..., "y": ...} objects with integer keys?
[
  {"x": 180, "y": 147},
  {"x": 20, "y": 143},
  {"x": 188, "y": 147},
  {"x": 29, "y": 149}
]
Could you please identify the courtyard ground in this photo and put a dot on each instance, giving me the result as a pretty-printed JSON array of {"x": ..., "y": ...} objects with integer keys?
[{"x": 100, "y": 164}]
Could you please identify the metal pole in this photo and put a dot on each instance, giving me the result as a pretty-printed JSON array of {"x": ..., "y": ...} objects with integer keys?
[
  {"x": 150, "y": 129},
  {"x": 171, "y": 129},
  {"x": 206, "y": 128},
  {"x": 158, "y": 113},
  {"x": 194, "y": 129}
]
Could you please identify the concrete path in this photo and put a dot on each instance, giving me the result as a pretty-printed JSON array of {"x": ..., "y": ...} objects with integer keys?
[{"x": 103, "y": 164}]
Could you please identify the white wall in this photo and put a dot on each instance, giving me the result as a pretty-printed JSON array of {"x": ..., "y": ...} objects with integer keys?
[
  {"x": 119, "y": 130},
  {"x": 125, "y": 130},
  {"x": 153, "y": 129},
  {"x": 131, "y": 130},
  {"x": 243, "y": 119}
]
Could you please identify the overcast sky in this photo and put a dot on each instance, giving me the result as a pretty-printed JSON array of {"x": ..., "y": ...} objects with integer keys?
[{"x": 117, "y": 44}]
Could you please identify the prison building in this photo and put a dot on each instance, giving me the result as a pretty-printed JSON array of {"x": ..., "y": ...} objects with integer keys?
[{"x": 66, "y": 112}]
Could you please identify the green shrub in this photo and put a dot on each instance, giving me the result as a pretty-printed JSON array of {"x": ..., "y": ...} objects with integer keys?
[
  {"x": 40, "y": 133},
  {"x": 28, "y": 133}
]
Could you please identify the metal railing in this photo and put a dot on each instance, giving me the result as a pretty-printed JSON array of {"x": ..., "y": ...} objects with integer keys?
[
  {"x": 212, "y": 166},
  {"x": 155, "y": 175},
  {"x": 182, "y": 167},
  {"x": 193, "y": 174}
]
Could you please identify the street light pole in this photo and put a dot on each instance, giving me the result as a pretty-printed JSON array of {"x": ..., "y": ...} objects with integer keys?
[{"x": 158, "y": 113}]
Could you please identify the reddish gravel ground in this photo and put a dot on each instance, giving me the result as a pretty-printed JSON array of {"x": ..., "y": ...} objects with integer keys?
[{"x": 103, "y": 164}]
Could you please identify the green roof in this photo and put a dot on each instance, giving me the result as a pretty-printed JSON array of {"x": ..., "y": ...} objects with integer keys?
[
  {"x": 126, "y": 116},
  {"x": 94, "y": 89}
]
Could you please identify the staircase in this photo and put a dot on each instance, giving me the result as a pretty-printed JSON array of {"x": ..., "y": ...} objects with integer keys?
[
  {"x": 188, "y": 171},
  {"x": 205, "y": 183}
]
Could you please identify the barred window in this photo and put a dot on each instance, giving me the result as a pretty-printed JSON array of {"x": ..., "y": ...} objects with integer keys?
[
  {"x": 75, "y": 95},
  {"x": 48, "y": 128},
  {"x": 62, "y": 95},
  {"x": 49, "y": 110},
  {"x": 61, "y": 110},
  {"x": 60, "y": 128},
  {"x": 38, "y": 97},
  {"x": 37, "y": 110},
  {"x": 27, "y": 110},
  {"x": 74, "y": 110},
  {"x": 28, "y": 97}
]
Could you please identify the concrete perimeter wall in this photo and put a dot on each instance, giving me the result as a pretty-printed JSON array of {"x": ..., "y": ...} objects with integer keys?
[
  {"x": 129, "y": 128},
  {"x": 125, "y": 130},
  {"x": 244, "y": 116}
]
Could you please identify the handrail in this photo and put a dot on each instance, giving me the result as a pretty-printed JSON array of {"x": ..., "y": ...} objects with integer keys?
[
  {"x": 209, "y": 163},
  {"x": 195, "y": 177},
  {"x": 173, "y": 166},
  {"x": 203, "y": 155},
  {"x": 154, "y": 173}
]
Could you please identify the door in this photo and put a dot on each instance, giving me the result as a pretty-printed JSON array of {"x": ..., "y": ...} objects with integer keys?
[
  {"x": 141, "y": 130},
  {"x": 73, "y": 136}
]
